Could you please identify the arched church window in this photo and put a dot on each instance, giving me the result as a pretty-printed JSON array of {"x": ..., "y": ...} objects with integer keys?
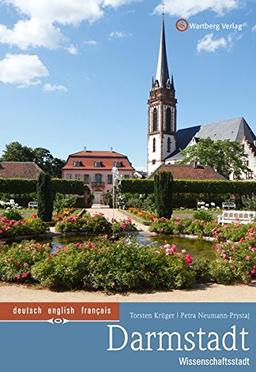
[
  {"x": 169, "y": 145},
  {"x": 155, "y": 120},
  {"x": 154, "y": 145},
  {"x": 168, "y": 120},
  {"x": 173, "y": 118}
]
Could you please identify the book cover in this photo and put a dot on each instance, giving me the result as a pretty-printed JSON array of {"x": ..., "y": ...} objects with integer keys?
[{"x": 127, "y": 185}]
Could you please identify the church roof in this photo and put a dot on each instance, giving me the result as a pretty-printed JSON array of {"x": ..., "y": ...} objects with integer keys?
[
  {"x": 233, "y": 130},
  {"x": 162, "y": 73}
]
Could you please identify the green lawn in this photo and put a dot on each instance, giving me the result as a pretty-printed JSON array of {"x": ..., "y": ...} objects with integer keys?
[
  {"x": 188, "y": 213},
  {"x": 25, "y": 212}
]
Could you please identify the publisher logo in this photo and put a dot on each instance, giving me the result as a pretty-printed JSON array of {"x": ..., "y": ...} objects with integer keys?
[{"x": 182, "y": 25}]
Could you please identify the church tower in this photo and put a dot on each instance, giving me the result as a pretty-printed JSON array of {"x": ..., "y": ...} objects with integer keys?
[{"x": 162, "y": 114}]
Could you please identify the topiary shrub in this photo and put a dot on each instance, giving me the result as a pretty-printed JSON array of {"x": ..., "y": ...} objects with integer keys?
[
  {"x": 163, "y": 183},
  {"x": 45, "y": 197}
]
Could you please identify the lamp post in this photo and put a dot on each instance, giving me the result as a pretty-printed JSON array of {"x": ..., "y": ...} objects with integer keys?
[{"x": 115, "y": 175}]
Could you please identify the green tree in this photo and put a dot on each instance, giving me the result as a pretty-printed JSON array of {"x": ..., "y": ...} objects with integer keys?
[
  {"x": 15, "y": 151},
  {"x": 226, "y": 157},
  {"x": 45, "y": 197},
  {"x": 43, "y": 158},
  {"x": 47, "y": 162},
  {"x": 56, "y": 167},
  {"x": 163, "y": 182}
]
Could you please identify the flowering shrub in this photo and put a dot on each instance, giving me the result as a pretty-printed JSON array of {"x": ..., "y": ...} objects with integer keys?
[
  {"x": 9, "y": 205},
  {"x": 12, "y": 228},
  {"x": 181, "y": 226},
  {"x": 122, "y": 266},
  {"x": 17, "y": 260},
  {"x": 125, "y": 225},
  {"x": 114, "y": 267},
  {"x": 65, "y": 269},
  {"x": 148, "y": 216},
  {"x": 12, "y": 214},
  {"x": 59, "y": 216},
  {"x": 96, "y": 224},
  {"x": 231, "y": 232},
  {"x": 236, "y": 263},
  {"x": 171, "y": 250}
]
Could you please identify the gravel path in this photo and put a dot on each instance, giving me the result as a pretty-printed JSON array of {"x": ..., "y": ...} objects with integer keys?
[
  {"x": 212, "y": 293},
  {"x": 108, "y": 213}
]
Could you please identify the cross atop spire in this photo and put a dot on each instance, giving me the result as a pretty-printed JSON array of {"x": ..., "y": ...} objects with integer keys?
[
  {"x": 163, "y": 4},
  {"x": 162, "y": 74}
]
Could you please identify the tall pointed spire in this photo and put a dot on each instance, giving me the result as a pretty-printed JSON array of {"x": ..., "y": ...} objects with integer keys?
[{"x": 162, "y": 73}]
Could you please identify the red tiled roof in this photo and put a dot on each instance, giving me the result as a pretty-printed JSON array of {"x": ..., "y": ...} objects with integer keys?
[
  {"x": 93, "y": 154},
  {"x": 187, "y": 172},
  {"x": 13, "y": 169},
  {"x": 87, "y": 161}
]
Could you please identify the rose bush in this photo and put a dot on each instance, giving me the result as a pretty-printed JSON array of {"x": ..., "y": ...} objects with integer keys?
[
  {"x": 236, "y": 263},
  {"x": 98, "y": 265},
  {"x": 13, "y": 228},
  {"x": 17, "y": 260},
  {"x": 96, "y": 224},
  {"x": 232, "y": 232},
  {"x": 125, "y": 225}
]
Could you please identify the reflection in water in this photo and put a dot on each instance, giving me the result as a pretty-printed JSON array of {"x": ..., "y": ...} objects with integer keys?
[{"x": 195, "y": 247}]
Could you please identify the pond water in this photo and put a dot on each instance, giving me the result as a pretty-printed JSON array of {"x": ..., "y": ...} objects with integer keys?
[{"x": 195, "y": 247}]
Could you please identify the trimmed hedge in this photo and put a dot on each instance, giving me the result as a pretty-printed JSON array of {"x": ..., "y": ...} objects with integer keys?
[
  {"x": 18, "y": 186},
  {"x": 137, "y": 186},
  {"x": 68, "y": 187},
  {"x": 15, "y": 186},
  {"x": 192, "y": 186}
]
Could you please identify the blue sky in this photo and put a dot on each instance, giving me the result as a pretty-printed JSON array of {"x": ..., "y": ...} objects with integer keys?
[{"x": 77, "y": 73}]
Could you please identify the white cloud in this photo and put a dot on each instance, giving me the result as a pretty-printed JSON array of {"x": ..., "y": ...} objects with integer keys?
[
  {"x": 31, "y": 33},
  {"x": 55, "y": 88},
  {"x": 41, "y": 29},
  {"x": 119, "y": 35},
  {"x": 66, "y": 11},
  {"x": 90, "y": 42},
  {"x": 22, "y": 70},
  {"x": 72, "y": 49},
  {"x": 209, "y": 44},
  {"x": 188, "y": 8},
  {"x": 254, "y": 29}
]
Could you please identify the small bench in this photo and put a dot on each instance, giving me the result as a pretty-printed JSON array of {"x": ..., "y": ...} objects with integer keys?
[
  {"x": 32, "y": 204},
  {"x": 228, "y": 205},
  {"x": 244, "y": 217}
]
